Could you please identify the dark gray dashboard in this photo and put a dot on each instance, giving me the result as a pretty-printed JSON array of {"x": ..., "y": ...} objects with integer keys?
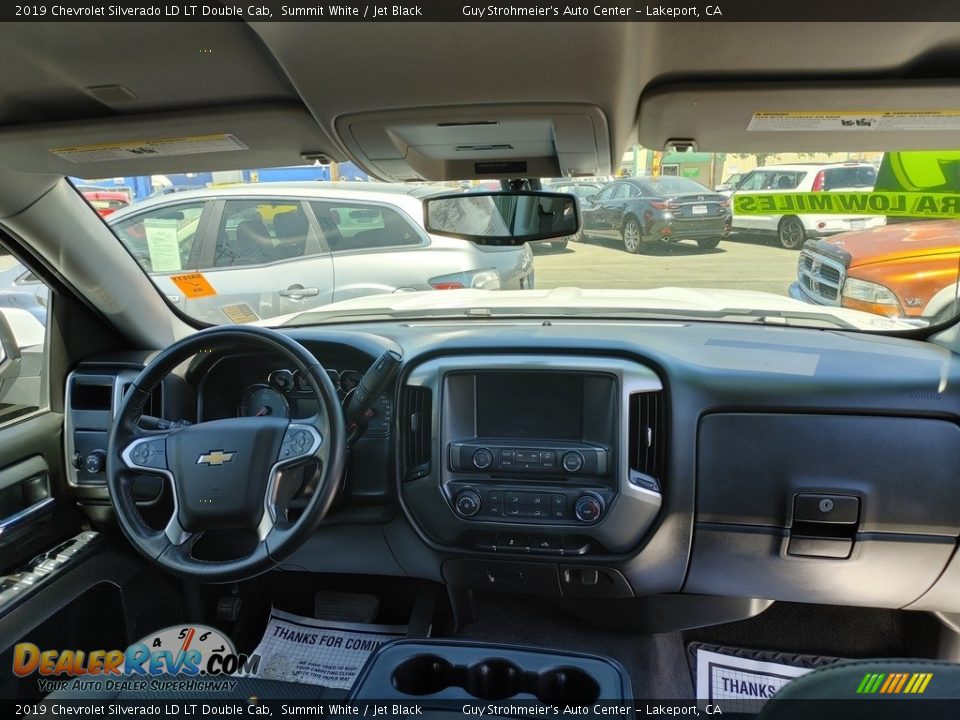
[{"x": 764, "y": 425}]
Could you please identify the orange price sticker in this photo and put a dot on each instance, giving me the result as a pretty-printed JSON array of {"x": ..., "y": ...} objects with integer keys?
[{"x": 193, "y": 285}]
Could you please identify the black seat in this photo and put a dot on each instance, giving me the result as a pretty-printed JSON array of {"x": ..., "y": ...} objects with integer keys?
[{"x": 291, "y": 229}]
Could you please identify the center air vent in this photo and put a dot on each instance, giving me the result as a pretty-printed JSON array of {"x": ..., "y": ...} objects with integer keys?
[
  {"x": 646, "y": 439},
  {"x": 416, "y": 418}
]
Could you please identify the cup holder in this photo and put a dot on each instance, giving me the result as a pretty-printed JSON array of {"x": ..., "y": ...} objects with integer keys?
[
  {"x": 494, "y": 679},
  {"x": 567, "y": 685},
  {"x": 422, "y": 675}
]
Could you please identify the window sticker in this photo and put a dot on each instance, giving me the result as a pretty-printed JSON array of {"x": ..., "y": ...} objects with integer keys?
[
  {"x": 193, "y": 285},
  {"x": 162, "y": 244},
  {"x": 889, "y": 120}
]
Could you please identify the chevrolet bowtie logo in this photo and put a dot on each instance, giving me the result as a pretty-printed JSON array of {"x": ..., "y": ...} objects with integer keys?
[{"x": 215, "y": 457}]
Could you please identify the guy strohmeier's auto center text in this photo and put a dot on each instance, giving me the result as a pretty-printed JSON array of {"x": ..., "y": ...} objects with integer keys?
[{"x": 584, "y": 11}]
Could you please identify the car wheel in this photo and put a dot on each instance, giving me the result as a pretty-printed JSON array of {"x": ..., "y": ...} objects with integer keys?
[
  {"x": 632, "y": 236},
  {"x": 708, "y": 243},
  {"x": 791, "y": 233},
  {"x": 559, "y": 245}
]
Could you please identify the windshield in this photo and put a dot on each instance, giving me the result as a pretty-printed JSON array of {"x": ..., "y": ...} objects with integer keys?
[{"x": 837, "y": 239}]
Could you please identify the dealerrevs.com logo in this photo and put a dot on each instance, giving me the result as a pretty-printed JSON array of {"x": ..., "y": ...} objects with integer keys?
[{"x": 191, "y": 657}]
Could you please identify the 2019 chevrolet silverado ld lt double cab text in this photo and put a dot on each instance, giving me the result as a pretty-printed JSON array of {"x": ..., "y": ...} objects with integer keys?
[{"x": 275, "y": 447}]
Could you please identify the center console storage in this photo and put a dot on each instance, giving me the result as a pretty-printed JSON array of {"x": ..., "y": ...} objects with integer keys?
[
  {"x": 538, "y": 455},
  {"x": 434, "y": 671}
]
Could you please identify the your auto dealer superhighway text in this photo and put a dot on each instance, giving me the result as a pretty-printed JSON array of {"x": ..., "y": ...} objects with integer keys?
[{"x": 559, "y": 11}]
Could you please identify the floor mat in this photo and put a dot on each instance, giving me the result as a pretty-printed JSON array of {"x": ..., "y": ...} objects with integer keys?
[
  {"x": 740, "y": 680},
  {"x": 301, "y": 649}
]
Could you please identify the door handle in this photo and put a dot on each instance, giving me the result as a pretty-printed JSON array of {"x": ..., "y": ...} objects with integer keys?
[
  {"x": 298, "y": 292},
  {"x": 29, "y": 513}
]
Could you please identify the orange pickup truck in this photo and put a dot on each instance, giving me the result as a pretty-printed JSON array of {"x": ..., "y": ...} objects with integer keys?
[
  {"x": 902, "y": 270},
  {"x": 907, "y": 269}
]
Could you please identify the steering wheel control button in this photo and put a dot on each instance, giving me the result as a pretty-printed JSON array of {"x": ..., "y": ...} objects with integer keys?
[
  {"x": 482, "y": 459},
  {"x": 572, "y": 462},
  {"x": 297, "y": 442},
  {"x": 467, "y": 503},
  {"x": 588, "y": 508},
  {"x": 148, "y": 454}
]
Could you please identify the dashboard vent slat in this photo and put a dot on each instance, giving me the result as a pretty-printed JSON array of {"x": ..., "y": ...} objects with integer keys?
[
  {"x": 646, "y": 436},
  {"x": 416, "y": 426}
]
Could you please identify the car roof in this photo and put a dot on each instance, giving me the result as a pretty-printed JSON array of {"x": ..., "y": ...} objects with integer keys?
[{"x": 407, "y": 197}]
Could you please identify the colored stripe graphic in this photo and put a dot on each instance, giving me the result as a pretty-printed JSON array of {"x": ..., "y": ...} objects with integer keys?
[{"x": 894, "y": 683}]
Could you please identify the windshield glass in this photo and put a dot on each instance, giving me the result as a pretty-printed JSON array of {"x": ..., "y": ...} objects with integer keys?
[{"x": 865, "y": 240}]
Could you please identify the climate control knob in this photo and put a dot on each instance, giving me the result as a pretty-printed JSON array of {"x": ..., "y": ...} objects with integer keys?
[
  {"x": 572, "y": 461},
  {"x": 588, "y": 508},
  {"x": 482, "y": 459},
  {"x": 467, "y": 503}
]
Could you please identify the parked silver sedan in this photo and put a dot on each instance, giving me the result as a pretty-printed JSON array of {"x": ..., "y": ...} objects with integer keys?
[{"x": 226, "y": 254}]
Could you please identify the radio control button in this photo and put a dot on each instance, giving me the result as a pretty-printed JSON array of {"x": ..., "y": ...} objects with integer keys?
[
  {"x": 494, "y": 497},
  {"x": 482, "y": 459},
  {"x": 527, "y": 456},
  {"x": 511, "y": 498},
  {"x": 506, "y": 457},
  {"x": 467, "y": 503},
  {"x": 558, "y": 500},
  {"x": 511, "y": 511},
  {"x": 548, "y": 459},
  {"x": 572, "y": 461},
  {"x": 558, "y": 514}
]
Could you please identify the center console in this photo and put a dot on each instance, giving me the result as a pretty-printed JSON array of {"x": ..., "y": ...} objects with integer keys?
[
  {"x": 437, "y": 675},
  {"x": 545, "y": 456}
]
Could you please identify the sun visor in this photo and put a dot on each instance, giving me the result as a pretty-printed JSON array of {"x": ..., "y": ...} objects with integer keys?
[
  {"x": 496, "y": 141},
  {"x": 195, "y": 141},
  {"x": 798, "y": 117}
]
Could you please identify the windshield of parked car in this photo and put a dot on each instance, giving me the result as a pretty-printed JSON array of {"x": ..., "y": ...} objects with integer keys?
[{"x": 858, "y": 240}]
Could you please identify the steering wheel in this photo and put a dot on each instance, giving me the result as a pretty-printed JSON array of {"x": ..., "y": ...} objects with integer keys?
[{"x": 225, "y": 474}]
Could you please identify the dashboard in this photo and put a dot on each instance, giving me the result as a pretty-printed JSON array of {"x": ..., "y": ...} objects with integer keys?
[{"x": 617, "y": 459}]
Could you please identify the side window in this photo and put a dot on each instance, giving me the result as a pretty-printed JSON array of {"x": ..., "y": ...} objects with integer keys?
[
  {"x": 255, "y": 232},
  {"x": 632, "y": 191},
  {"x": 605, "y": 194},
  {"x": 363, "y": 226},
  {"x": 619, "y": 192},
  {"x": 753, "y": 181},
  {"x": 587, "y": 191},
  {"x": 23, "y": 342},
  {"x": 162, "y": 239}
]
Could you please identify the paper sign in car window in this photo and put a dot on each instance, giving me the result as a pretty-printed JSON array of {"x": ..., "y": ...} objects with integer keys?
[
  {"x": 853, "y": 121},
  {"x": 193, "y": 285},
  {"x": 892, "y": 204},
  {"x": 162, "y": 244}
]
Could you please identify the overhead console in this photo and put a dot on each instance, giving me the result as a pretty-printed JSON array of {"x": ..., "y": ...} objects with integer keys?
[
  {"x": 535, "y": 455},
  {"x": 492, "y": 141}
]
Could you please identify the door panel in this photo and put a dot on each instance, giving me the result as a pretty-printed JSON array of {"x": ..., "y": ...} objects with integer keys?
[{"x": 263, "y": 253}]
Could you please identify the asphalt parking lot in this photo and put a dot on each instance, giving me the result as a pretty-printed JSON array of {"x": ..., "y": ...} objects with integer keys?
[{"x": 741, "y": 262}]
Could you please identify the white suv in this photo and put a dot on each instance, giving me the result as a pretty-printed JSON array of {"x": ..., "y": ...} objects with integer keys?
[{"x": 793, "y": 230}]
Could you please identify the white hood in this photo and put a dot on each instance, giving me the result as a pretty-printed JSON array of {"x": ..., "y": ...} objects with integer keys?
[{"x": 579, "y": 302}]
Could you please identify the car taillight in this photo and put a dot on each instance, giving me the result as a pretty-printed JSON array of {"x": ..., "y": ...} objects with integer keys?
[
  {"x": 663, "y": 205},
  {"x": 818, "y": 182},
  {"x": 485, "y": 279}
]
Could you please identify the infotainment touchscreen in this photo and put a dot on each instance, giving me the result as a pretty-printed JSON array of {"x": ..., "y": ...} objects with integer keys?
[{"x": 530, "y": 405}]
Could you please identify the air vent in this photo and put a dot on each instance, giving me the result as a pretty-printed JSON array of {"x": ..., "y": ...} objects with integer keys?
[
  {"x": 647, "y": 439},
  {"x": 415, "y": 431}
]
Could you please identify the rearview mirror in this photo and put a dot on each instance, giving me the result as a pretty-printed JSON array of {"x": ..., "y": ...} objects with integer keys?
[{"x": 502, "y": 218}]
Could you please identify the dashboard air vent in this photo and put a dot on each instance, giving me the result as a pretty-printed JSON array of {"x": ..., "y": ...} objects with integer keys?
[
  {"x": 647, "y": 439},
  {"x": 415, "y": 431}
]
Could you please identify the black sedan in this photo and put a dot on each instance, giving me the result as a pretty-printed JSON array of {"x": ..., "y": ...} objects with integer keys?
[{"x": 646, "y": 212}]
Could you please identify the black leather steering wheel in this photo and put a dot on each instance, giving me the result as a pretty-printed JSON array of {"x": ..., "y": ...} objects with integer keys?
[{"x": 225, "y": 474}]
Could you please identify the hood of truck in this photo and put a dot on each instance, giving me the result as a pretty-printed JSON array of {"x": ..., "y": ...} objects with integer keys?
[{"x": 899, "y": 241}]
